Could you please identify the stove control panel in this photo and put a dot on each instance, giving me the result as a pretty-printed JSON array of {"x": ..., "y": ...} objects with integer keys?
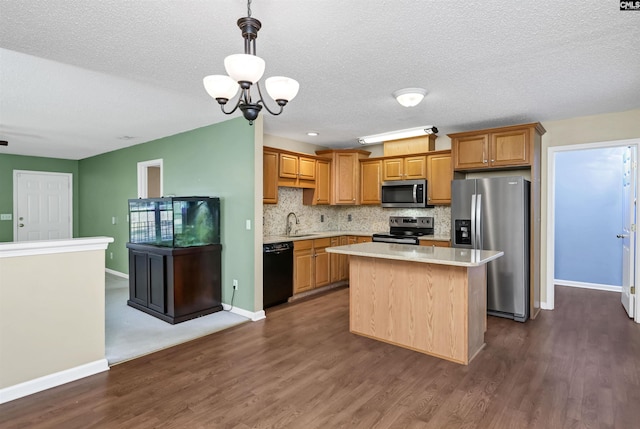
[{"x": 411, "y": 222}]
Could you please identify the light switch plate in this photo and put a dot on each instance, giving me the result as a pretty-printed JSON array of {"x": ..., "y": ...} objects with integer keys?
[{"x": 5, "y": 216}]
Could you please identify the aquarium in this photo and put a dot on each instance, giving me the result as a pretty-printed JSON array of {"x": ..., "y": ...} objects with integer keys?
[{"x": 175, "y": 221}]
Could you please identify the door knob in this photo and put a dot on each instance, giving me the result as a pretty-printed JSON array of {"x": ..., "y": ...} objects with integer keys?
[{"x": 21, "y": 225}]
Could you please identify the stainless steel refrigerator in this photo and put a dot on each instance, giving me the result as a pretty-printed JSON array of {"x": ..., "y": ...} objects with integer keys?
[{"x": 493, "y": 214}]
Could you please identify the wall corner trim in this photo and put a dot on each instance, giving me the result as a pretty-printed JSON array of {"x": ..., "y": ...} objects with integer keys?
[{"x": 52, "y": 380}]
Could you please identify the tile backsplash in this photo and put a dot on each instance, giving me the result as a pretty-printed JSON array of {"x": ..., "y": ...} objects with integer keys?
[{"x": 363, "y": 218}]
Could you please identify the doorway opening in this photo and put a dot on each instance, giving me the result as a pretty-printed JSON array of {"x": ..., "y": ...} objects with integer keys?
[
  {"x": 150, "y": 184},
  {"x": 592, "y": 212}
]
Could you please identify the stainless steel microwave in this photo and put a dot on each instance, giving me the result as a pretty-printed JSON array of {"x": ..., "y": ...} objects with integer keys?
[{"x": 404, "y": 193}]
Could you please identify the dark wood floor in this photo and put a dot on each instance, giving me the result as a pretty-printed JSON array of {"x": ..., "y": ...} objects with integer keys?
[{"x": 575, "y": 367}]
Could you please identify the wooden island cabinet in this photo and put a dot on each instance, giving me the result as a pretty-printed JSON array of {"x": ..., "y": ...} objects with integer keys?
[{"x": 428, "y": 299}]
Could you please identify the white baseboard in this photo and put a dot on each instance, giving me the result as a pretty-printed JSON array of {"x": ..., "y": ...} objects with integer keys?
[
  {"x": 116, "y": 273},
  {"x": 254, "y": 316},
  {"x": 585, "y": 285},
  {"x": 545, "y": 306},
  {"x": 52, "y": 380}
]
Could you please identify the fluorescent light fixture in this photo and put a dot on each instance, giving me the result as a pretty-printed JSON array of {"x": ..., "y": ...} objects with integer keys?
[
  {"x": 312, "y": 133},
  {"x": 400, "y": 134}
]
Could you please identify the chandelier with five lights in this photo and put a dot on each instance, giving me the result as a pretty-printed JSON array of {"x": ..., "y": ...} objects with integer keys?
[{"x": 244, "y": 72}]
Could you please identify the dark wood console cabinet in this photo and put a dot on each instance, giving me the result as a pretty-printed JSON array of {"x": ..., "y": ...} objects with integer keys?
[{"x": 175, "y": 284}]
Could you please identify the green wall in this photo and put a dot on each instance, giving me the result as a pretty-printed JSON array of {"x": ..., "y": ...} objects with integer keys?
[
  {"x": 8, "y": 163},
  {"x": 217, "y": 160}
]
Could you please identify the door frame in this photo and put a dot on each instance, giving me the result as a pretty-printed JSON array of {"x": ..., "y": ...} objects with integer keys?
[
  {"x": 143, "y": 178},
  {"x": 15, "y": 197},
  {"x": 551, "y": 191}
]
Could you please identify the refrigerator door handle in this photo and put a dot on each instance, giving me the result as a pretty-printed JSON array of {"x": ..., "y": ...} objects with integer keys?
[
  {"x": 473, "y": 221},
  {"x": 478, "y": 217}
]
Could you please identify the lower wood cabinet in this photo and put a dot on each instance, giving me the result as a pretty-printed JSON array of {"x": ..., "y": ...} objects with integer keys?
[
  {"x": 311, "y": 264},
  {"x": 303, "y": 278},
  {"x": 313, "y": 267},
  {"x": 322, "y": 263},
  {"x": 436, "y": 243},
  {"x": 175, "y": 284}
]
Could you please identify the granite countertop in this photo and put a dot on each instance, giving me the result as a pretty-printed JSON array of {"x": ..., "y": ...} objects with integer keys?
[
  {"x": 324, "y": 234},
  {"x": 424, "y": 254}
]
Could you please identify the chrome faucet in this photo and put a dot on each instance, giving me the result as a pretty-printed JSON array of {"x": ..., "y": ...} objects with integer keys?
[{"x": 289, "y": 225}]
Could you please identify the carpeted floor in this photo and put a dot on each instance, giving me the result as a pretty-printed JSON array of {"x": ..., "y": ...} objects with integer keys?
[{"x": 131, "y": 333}]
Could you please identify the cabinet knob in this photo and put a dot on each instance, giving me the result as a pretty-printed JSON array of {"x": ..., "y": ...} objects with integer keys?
[
  {"x": 493, "y": 160},
  {"x": 484, "y": 161}
]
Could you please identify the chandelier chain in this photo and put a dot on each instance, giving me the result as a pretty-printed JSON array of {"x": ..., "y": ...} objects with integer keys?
[{"x": 249, "y": 8}]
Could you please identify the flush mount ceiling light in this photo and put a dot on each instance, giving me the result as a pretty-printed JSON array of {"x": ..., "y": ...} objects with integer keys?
[
  {"x": 396, "y": 135},
  {"x": 409, "y": 97},
  {"x": 244, "y": 71},
  {"x": 312, "y": 134}
]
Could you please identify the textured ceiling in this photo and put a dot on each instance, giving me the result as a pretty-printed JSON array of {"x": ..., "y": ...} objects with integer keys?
[{"x": 76, "y": 76}]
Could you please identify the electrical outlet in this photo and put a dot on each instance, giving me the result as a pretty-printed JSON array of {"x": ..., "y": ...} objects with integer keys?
[
  {"x": 235, "y": 284},
  {"x": 349, "y": 218},
  {"x": 321, "y": 218},
  {"x": 110, "y": 255}
]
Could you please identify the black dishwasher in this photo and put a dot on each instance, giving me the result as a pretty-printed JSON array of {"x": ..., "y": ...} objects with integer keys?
[{"x": 277, "y": 274}]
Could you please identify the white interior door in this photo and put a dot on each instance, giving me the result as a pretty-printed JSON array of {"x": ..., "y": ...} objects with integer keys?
[
  {"x": 628, "y": 231},
  {"x": 42, "y": 205}
]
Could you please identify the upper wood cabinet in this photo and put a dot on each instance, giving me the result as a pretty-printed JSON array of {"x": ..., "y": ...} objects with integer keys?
[
  {"x": 439, "y": 176},
  {"x": 434, "y": 166},
  {"x": 370, "y": 178},
  {"x": 405, "y": 168},
  {"x": 285, "y": 168},
  {"x": 270, "y": 177},
  {"x": 420, "y": 144},
  {"x": 506, "y": 147},
  {"x": 322, "y": 192},
  {"x": 345, "y": 174},
  {"x": 295, "y": 169}
]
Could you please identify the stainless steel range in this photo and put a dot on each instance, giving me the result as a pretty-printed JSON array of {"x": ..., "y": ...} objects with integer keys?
[{"x": 406, "y": 230}]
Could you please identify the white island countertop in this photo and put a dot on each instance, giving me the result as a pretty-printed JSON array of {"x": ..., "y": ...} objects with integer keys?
[{"x": 424, "y": 254}]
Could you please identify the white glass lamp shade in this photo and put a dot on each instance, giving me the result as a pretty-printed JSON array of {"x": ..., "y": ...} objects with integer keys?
[
  {"x": 244, "y": 67},
  {"x": 220, "y": 86},
  {"x": 409, "y": 97},
  {"x": 282, "y": 88}
]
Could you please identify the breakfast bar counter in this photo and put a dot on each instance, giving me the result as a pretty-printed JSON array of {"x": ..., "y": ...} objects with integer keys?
[{"x": 429, "y": 299}]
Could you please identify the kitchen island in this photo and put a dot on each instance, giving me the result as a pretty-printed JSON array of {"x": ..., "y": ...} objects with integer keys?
[{"x": 429, "y": 299}]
